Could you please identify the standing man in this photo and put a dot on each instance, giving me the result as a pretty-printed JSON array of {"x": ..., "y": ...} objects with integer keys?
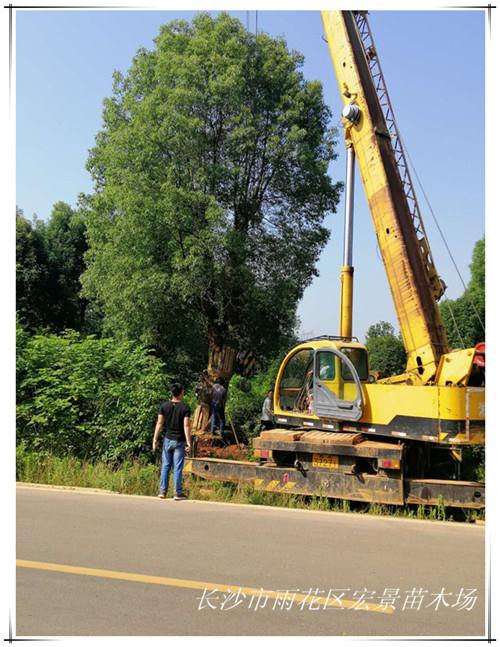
[
  {"x": 217, "y": 406},
  {"x": 267, "y": 411},
  {"x": 176, "y": 416}
]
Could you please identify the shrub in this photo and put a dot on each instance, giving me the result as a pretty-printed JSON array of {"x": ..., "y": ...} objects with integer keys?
[
  {"x": 87, "y": 397},
  {"x": 473, "y": 464},
  {"x": 245, "y": 399}
]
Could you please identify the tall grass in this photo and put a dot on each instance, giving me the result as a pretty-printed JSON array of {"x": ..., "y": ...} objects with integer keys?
[
  {"x": 143, "y": 479},
  {"x": 129, "y": 478}
]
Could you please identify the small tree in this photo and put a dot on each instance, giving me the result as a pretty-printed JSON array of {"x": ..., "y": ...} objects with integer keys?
[{"x": 244, "y": 405}]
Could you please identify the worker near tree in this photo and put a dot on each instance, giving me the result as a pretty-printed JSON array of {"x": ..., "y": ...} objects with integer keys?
[
  {"x": 217, "y": 406},
  {"x": 267, "y": 411},
  {"x": 176, "y": 416}
]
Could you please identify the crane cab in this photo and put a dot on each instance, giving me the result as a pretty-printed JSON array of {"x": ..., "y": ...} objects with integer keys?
[
  {"x": 322, "y": 378},
  {"x": 324, "y": 383}
]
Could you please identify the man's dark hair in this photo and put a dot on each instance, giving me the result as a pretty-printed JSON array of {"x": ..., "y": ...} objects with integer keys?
[
  {"x": 219, "y": 380},
  {"x": 176, "y": 389}
]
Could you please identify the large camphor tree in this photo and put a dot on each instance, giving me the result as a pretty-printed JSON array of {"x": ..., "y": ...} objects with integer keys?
[{"x": 211, "y": 190}]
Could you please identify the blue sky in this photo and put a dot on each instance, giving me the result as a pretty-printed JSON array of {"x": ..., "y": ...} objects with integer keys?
[{"x": 433, "y": 62}]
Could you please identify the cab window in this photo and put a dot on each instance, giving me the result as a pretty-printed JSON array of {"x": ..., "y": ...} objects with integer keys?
[
  {"x": 296, "y": 382},
  {"x": 325, "y": 366},
  {"x": 359, "y": 357}
]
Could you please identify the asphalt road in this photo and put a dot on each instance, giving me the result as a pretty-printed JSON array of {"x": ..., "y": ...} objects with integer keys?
[{"x": 99, "y": 564}]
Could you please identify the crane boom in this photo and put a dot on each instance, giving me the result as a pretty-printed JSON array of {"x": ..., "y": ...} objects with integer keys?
[{"x": 370, "y": 128}]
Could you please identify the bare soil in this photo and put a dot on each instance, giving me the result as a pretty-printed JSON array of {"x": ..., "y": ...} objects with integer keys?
[{"x": 209, "y": 445}]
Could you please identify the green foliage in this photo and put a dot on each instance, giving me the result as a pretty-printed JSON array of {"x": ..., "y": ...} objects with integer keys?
[
  {"x": 477, "y": 267},
  {"x": 244, "y": 406},
  {"x": 65, "y": 239},
  {"x": 32, "y": 276},
  {"x": 386, "y": 352},
  {"x": 211, "y": 188},
  {"x": 473, "y": 464},
  {"x": 440, "y": 509},
  {"x": 320, "y": 502},
  {"x": 345, "y": 506},
  {"x": 464, "y": 318},
  {"x": 49, "y": 262},
  {"x": 377, "y": 509},
  {"x": 87, "y": 398}
]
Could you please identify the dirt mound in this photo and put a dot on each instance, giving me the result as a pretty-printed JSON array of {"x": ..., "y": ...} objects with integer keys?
[
  {"x": 233, "y": 452},
  {"x": 211, "y": 446}
]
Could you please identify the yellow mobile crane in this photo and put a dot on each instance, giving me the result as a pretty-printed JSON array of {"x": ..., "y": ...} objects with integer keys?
[{"x": 340, "y": 430}]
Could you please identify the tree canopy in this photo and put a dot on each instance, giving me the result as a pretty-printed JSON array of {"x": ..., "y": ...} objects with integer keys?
[
  {"x": 211, "y": 190},
  {"x": 66, "y": 244},
  {"x": 49, "y": 262},
  {"x": 31, "y": 273},
  {"x": 385, "y": 350},
  {"x": 464, "y": 317}
]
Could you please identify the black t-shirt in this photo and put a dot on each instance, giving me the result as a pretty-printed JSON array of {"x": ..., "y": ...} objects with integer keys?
[{"x": 174, "y": 414}]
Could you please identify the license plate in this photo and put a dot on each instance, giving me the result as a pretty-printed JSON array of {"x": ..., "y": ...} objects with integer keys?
[{"x": 325, "y": 460}]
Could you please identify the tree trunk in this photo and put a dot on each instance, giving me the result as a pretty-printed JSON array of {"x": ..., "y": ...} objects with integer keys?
[{"x": 221, "y": 362}]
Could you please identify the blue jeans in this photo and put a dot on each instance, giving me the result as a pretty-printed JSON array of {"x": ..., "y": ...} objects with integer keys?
[
  {"x": 217, "y": 412},
  {"x": 173, "y": 454}
]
